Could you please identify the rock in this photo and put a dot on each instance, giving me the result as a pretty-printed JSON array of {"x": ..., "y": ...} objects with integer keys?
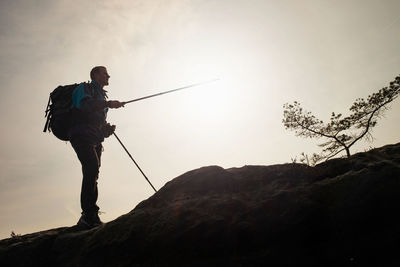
[{"x": 339, "y": 213}]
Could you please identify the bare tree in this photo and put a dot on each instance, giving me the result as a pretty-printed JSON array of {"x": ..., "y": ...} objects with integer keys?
[{"x": 341, "y": 133}]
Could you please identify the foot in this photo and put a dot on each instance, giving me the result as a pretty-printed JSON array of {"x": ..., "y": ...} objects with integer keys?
[{"x": 89, "y": 221}]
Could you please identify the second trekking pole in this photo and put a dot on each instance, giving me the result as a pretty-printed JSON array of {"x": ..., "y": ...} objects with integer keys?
[{"x": 129, "y": 154}]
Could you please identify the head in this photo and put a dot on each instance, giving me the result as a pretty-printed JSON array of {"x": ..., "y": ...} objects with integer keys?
[{"x": 99, "y": 74}]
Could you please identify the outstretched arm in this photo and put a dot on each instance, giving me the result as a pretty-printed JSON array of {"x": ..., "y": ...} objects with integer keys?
[{"x": 82, "y": 99}]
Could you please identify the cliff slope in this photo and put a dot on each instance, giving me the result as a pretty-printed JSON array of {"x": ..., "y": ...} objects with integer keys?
[{"x": 343, "y": 212}]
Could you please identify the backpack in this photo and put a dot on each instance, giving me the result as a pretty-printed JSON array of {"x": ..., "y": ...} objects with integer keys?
[{"x": 59, "y": 111}]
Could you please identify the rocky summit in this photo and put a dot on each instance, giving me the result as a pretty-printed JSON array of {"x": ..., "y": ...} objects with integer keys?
[{"x": 343, "y": 212}]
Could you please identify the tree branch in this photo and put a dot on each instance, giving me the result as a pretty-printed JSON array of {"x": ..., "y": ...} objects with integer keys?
[
  {"x": 369, "y": 122},
  {"x": 313, "y": 131}
]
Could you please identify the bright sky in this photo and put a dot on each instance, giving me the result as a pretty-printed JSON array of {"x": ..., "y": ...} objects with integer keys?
[{"x": 324, "y": 54}]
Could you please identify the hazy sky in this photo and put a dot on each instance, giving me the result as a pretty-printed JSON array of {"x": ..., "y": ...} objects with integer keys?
[{"x": 322, "y": 53}]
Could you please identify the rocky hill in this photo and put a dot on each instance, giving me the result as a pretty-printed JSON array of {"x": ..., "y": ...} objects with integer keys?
[{"x": 343, "y": 212}]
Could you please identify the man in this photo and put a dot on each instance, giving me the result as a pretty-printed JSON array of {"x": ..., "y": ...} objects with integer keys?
[{"x": 86, "y": 137}]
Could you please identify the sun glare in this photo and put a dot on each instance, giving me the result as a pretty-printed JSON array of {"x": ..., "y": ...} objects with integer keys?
[
  {"x": 211, "y": 102},
  {"x": 214, "y": 100}
]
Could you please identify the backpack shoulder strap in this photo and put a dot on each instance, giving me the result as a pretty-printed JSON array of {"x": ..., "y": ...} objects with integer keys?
[
  {"x": 47, "y": 115},
  {"x": 95, "y": 92},
  {"x": 90, "y": 87}
]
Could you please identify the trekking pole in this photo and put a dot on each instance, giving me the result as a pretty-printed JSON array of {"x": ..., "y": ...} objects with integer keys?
[
  {"x": 134, "y": 161},
  {"x": 170, "y": 91}
]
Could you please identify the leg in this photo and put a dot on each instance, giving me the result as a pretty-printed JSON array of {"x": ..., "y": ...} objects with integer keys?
[{"x": 89, "y": 157}]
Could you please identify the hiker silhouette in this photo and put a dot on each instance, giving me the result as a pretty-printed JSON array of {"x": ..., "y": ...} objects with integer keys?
[{"x": 90, "y": 107}]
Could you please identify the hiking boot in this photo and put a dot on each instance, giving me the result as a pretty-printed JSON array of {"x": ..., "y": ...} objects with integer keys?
[{"x": 89, "y": 220}]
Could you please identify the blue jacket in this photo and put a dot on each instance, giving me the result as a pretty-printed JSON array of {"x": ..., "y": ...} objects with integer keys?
[{"x": 90, "y": 108}]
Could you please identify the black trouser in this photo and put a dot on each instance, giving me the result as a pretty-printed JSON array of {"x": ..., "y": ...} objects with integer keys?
[{"x": 89, "y": 155}]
